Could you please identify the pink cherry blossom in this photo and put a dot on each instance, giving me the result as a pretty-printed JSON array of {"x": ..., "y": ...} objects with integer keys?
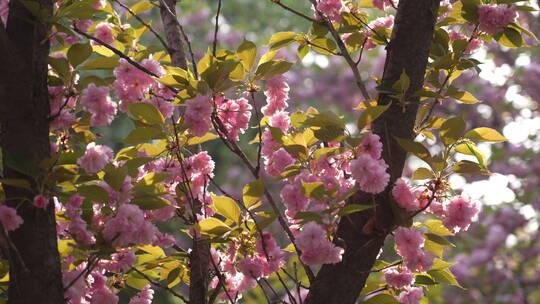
[
  {"x": 398, "y": 277},
  {"x": 95, "y": 158},
  {"x": 459, "y": 212},
  {"x": 145, "y": 296},
  {"x": 76, "y": 283},
  {"x": 493, "y": 18},
  {"x": 408, "y": 241},
  {"x": 120, "y": 261},
  {"x": 279, "y": 160},
  {"x": 4, "y": 11},
  {"x": 293, "y": 199},
  {"x": 97, "y": 101},
  {"x": 382, "y": 4},
  {"x": 197, "y": 114},
  {"x": 234, "y": 115},
  {"x": 316, "y": 248},
  {"x": 62, "y": 120},
  {"x": 331, "y": 9},
  {"x": 40, "y": 201},
  {"x": 277, "y": 94},
  {"x": 129, "y": 227},
  {"x": 104, "y": 33},
  {"x": 103, "y": 295},
  {"x": 372, "y": 144},
  {"x": 83, "y": 24},
  {"x": 405, "y": 196},
  {"x": 370, "y": 173},
  {"x": 9, "y": 218},
  {"x": 419, "y": 260},
  {"x": 281, "y": 120},
  {"x": 411, "y": 296}
]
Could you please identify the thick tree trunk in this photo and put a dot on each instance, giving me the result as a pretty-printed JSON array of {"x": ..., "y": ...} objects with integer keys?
[
  {"x": 364, "y": 233},
  {"x": 35, "y": 275},
  {"x": 200, "y": 254}
]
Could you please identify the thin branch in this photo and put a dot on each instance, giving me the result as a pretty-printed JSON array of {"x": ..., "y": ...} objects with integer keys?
[
  {"x": 278, "y": 2},
  {"x": 122, "y": 55},
  {"x": 216, "y": 29},
  {"x": 144, "y": 23},
  {"x": 158, "y": 284},
  {"x": 344, "y": 52}
]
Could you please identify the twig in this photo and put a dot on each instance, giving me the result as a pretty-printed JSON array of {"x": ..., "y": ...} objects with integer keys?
[
  {"x": 157, "y": 284},
  {"x": 143, "y": 23},
  {"x": 344, "y": 52},
  {"x": 216, "y": 29},
  {"x": 278, "y": 2},
  {"x": 259, "y": 148},
  {"x": 122, "y": 55}
]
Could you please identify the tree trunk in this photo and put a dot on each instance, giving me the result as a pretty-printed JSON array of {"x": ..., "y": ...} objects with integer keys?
[
  {"x": 364, "y": 233},
  {"x": 200, "y": 254},
  {"x": 35, "y": 275}
]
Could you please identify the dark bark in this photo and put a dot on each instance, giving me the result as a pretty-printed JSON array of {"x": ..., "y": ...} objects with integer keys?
[
  {"x": 35, "y": 275},
  {"x": 200, "y": 254},
  {"x": 173, "y": 33},
  {"x": 364, "y": 233}
]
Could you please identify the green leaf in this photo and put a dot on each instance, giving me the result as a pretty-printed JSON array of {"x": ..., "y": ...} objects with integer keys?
[
  {"x": 272, "y": 68},
  {"x": 173, "y": 277},
  {"x": 324, "y": 45},
  {"x": 462, "y": 96},
  {"x": 444, "y": 276},
  {"x": 303, "y": 50},
  {"x": 150, "y": 202},
  {"x": 469, "y": 148},
  {"x": 227, "y": 207},
  {"x": 382, "y": 298},
  {"x": 438, "y": 239},
  {"x": 353, "y": 208},
  {"x": 424, "y": 279},
  {"x": 468, "y": 167},
  {"x": 452, "y": 130},
  {"x": 369, "y": 115},
  {"x": 404, "y": 81},
  {"x": 247, "y": 53},
  {"x": 78, "y": 53},
  {"x": 325, "y": 118},
  {"x": 315, "y": 190},
  {"x": 485, "y": 134},
  {"x": 434, "y": 247},
  {"x": 153, "y": 178},
  {"x": 281, "y": 39},
  {"x": 140, "y": 7},
  {"x": 414, "y": 147},
  {"x": 422, "y": 173},
  {"x": 14, "y": 182},
  {"x": 199, "y": 140},
  {"x": 145, "y": 112},
  {"x": 439, "y": 264},
  {"x": 101, "y": 63},
  {"x": 437, "y": 227},
  {"x": 329, "y": 133},
  {"x": 143, "y": 134},
  {"x": 309, "y": 217},
  {"x": 60, "y": 66},
  {"x": 115, "y": 176},
  {"x": 94, "y": 193},
  {"x": 252, "y": 192},
  {"x": 20, "y": 162},
  {"x": 509, "y": 37},
  {"x": 212, "y": 226}
]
